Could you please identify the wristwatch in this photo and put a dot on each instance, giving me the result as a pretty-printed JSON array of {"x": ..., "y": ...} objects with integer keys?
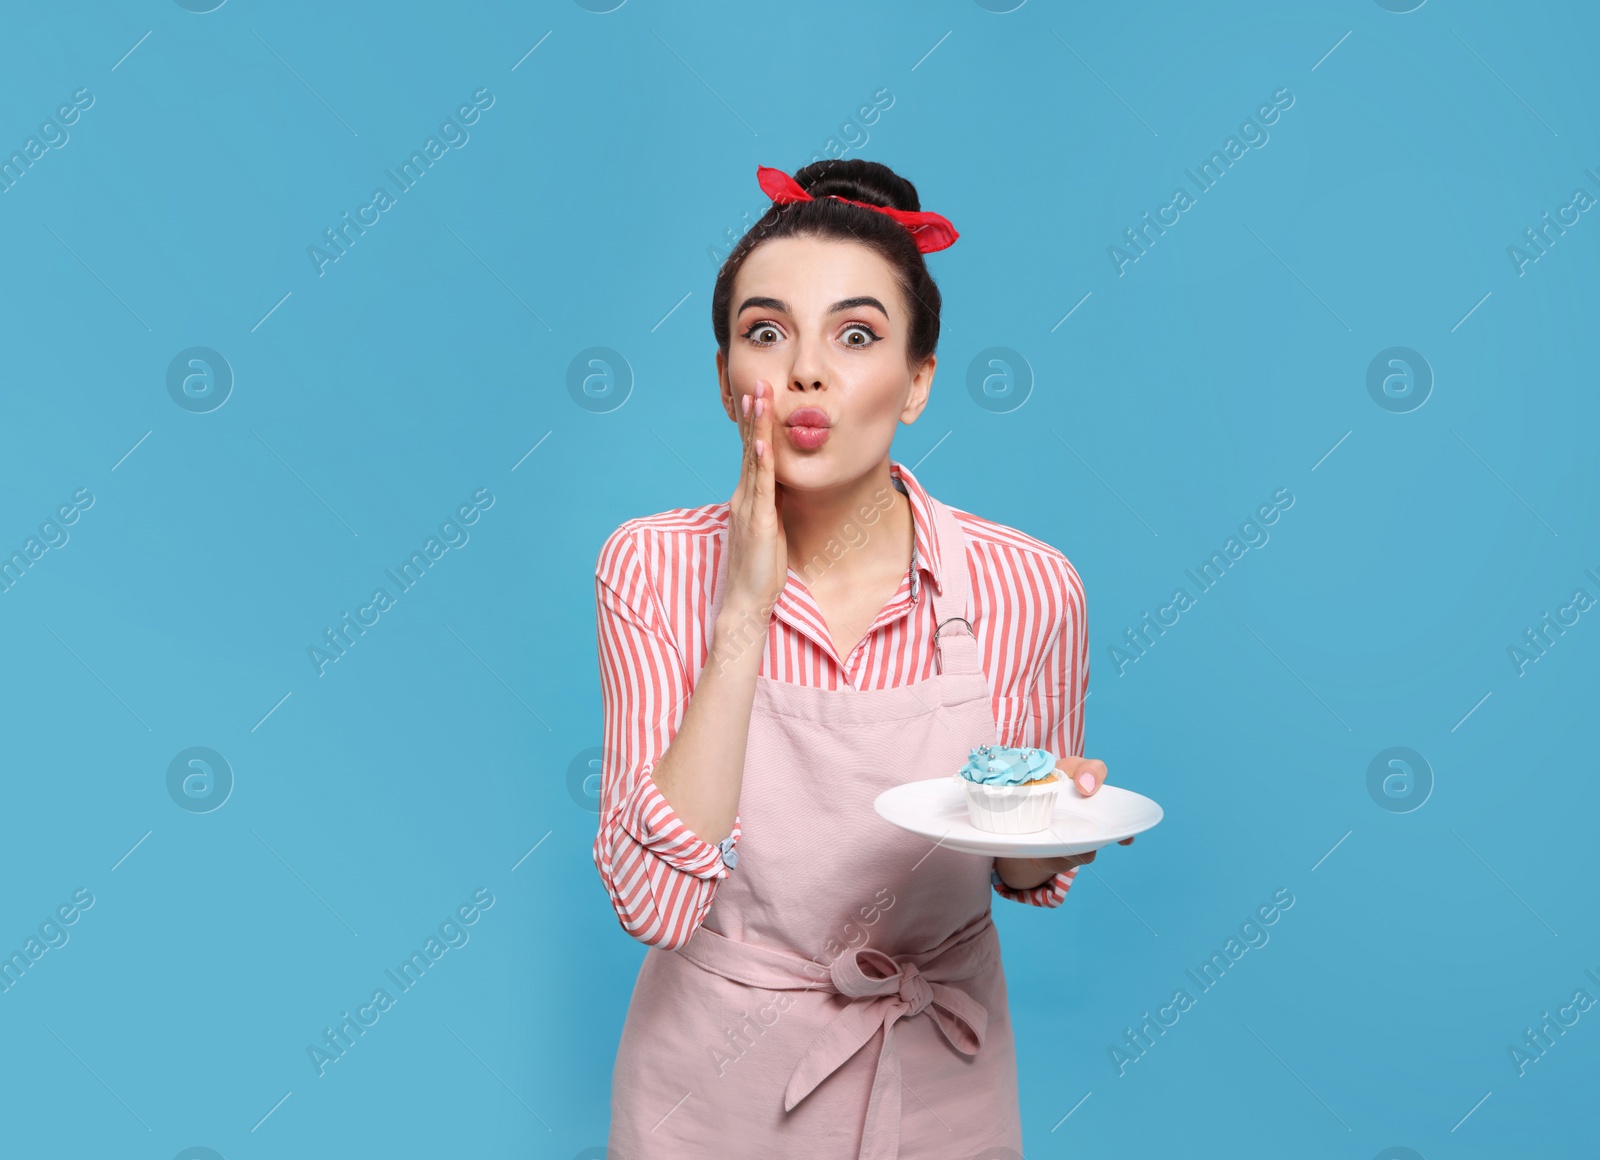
[{"x": 730, "y": 856}]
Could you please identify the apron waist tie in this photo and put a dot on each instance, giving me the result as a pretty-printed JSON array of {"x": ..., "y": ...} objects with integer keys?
[{"x": 900, "y": 986}]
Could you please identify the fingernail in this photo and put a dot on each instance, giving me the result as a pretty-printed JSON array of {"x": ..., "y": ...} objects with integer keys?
[
  {"x": 760, "y": 448},
  {"x": 1086, "y": 782},
  {"x": 744, "y": 403},
  {"x": 760, "y": 407}
]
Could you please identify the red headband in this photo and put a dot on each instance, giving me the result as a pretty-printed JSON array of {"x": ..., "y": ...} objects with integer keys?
[{"x": 930, "y": 231}]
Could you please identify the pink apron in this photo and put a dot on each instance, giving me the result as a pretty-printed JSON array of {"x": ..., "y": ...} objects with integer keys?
[{"x": 844, "y": 996}]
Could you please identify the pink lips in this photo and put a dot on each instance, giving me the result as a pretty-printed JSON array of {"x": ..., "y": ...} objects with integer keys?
[{"x": 808, "y": 428}]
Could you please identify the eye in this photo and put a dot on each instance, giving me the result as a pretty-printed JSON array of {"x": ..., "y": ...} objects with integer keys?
[
  {"x": 761, "y": 328},
  {"x": 862, "y": 328}
]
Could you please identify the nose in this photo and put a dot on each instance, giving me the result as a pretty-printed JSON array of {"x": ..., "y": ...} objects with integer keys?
[{"x": 806, "y": 372}]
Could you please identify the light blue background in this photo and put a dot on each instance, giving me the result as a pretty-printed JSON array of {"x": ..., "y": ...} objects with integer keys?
[{"x": 616, "y": 160}]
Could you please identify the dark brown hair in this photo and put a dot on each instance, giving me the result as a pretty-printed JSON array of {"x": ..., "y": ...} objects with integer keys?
[{"x": 827, "y": 217}]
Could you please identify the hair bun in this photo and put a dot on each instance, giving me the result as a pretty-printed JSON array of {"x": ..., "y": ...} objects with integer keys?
[{"x": 859, "y": 180}]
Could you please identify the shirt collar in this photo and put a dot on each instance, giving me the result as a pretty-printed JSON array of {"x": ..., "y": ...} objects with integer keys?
[{"x": 925, "y": 555}]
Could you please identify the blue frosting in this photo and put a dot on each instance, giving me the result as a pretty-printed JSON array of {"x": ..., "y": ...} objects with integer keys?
[{"x": 1007, "y": 765}]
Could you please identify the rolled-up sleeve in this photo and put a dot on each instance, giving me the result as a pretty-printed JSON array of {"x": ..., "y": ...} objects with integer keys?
[
  {"x": 1054, "y": 720},
  {"x": 660, "y": 875}
]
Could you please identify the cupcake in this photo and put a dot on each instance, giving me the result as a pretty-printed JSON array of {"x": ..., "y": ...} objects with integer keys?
[{"x": 1010, "y": 790}]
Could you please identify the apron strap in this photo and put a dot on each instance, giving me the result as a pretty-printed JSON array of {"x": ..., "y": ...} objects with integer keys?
[{"x": 953, "y": 637}]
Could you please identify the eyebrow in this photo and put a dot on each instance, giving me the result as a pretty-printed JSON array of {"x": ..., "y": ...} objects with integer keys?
[{"x": 838, "y": 307}]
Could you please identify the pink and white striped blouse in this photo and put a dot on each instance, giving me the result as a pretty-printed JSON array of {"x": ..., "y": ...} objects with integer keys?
[{"x": 653, "y": 583}]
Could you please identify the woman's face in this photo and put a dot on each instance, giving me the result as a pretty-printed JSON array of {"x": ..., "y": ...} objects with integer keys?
[{"x": 824, "y": 323}]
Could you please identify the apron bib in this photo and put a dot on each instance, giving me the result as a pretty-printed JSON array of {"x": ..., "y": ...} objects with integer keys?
[{"x": 844, "y": 996}]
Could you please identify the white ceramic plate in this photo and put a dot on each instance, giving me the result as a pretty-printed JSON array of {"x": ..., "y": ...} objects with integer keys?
[{"x": 937, "y": 809}]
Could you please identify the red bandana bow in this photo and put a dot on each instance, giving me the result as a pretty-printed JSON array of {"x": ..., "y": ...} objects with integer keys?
[{"x": 930, "y": 231}]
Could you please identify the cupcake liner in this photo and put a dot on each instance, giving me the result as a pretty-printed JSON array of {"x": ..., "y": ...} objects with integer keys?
[{"x": 1011, "y": 809}]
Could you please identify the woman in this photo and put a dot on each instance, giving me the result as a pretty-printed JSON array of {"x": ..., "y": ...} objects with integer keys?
[{"x": 822, "y": 983}]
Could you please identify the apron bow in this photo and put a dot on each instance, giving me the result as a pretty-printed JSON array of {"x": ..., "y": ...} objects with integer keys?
[{"x": 898, "y": 988}]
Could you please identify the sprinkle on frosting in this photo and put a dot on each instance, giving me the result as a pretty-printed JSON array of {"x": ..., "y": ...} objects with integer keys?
[{"x": 1007, "y": 765}]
